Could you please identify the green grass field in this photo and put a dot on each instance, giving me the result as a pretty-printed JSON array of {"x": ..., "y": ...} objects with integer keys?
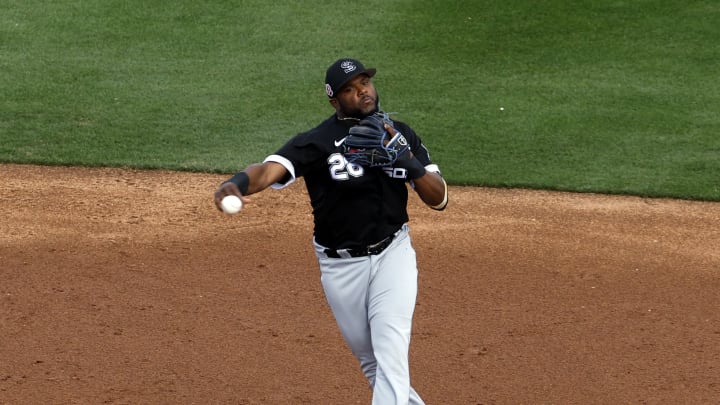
[{"x": 596, "y": 96}]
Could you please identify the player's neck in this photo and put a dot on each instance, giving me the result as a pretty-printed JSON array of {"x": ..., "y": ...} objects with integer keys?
[{"x": 342, "y": 117}]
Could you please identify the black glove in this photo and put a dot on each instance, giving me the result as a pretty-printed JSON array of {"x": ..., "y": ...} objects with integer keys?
[{"x": 367, "y": 143}]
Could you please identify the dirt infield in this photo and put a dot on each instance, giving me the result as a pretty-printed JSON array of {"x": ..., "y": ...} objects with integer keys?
[{"x": 128, "y": 287}]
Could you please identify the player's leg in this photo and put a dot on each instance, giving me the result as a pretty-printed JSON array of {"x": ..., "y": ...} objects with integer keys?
[
  {"x": 345, "y": 282},
  {"x": 391, "y": 304}
]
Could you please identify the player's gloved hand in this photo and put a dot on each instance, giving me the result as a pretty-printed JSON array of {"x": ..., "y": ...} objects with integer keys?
[
  {"x": 405, "y": 158},
  {"x": 369, "y": 144}
]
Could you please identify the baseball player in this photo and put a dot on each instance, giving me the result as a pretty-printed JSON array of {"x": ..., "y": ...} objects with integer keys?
[{"x": 357, "y": 165}]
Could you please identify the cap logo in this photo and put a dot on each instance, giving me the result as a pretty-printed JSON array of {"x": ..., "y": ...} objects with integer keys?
[
  {"x": 347, "y": 66},
  {"x": 328, "y": 90}
]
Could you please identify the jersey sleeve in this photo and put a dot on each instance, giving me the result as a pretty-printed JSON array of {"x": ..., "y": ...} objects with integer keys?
[{"x": 299, "y": 153}]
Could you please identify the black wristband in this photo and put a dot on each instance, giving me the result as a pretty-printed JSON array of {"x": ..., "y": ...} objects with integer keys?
[
  {"x": 415, "y": 169},
  {"x": 242, "y": 180}
]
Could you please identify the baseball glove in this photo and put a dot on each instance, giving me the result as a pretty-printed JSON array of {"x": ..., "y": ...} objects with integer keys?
[{"x": 368, "y": 143}]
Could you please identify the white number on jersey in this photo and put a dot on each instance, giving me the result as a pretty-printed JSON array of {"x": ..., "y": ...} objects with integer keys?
[{"x": 340, "y": 169}]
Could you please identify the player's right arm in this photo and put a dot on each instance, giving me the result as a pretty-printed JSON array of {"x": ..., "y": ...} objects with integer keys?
[{"x": 253, "y": 179}]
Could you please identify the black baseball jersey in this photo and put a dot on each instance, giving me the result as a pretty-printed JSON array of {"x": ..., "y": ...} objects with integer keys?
[{"x": 353, "y": 206}]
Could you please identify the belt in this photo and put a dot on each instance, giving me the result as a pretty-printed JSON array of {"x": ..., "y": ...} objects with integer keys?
[{"x": 369, "y": 250}]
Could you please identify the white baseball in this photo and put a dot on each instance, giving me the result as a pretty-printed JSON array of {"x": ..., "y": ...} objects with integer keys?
[{"x": 231, "y": 204}]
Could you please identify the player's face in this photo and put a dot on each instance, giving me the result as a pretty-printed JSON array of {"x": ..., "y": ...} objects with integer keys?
[{"x": 358, "y": 98}]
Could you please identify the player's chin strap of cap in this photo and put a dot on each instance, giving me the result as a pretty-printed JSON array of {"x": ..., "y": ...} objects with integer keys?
[{"x": 444, "y": 202}]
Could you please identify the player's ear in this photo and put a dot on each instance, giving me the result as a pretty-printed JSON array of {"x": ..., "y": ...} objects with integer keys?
[{"x": 335, "y": 103}]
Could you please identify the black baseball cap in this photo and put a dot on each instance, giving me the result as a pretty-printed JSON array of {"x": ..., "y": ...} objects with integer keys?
[{"x": 341, "y": 72}]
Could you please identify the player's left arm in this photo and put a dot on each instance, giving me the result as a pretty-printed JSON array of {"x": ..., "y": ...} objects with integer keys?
[
  {"x": 432, "y": 189},
  {"x": 424, "y": 176}
]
